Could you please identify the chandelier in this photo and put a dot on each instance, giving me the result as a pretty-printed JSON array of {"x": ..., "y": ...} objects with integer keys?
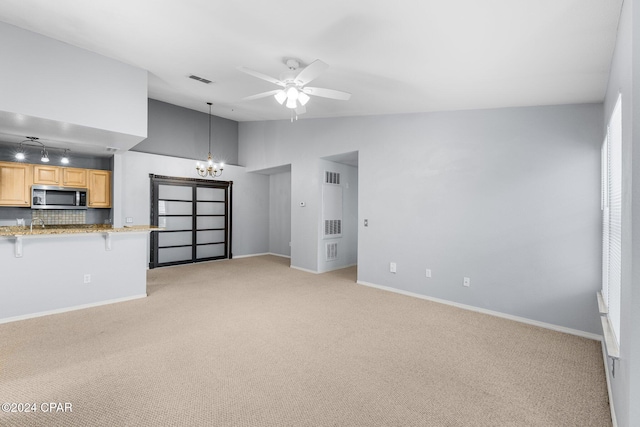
[{"x": 209, "y": 168}]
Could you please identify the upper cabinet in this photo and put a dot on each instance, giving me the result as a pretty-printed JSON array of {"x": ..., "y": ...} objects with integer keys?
[
  {"x": 61, "y": 177},
  {"x": 99, "y": 189},
  {"x": 72, "y": 177},
  {"x": 46, "y": 175},
  {"x": 16, "y": 180},
  {"x": 15, "y": 184}
]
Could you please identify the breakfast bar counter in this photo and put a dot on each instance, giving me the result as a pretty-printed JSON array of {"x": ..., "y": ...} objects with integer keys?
[
  {"x": 38, "y": 230},
  {"x": 61, "y": 268}
]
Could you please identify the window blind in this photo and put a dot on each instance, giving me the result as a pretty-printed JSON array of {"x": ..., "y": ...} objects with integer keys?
[{"x": 612, "y": 219}]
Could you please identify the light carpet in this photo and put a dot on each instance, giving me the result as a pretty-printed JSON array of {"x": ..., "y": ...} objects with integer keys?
[{"x": 251, "y": 342}]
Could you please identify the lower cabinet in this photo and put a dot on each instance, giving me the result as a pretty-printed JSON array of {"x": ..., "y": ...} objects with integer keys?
[{"x": 99, "y": 189}]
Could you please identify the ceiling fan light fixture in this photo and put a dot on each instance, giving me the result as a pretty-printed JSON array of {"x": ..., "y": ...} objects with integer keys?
[
  {"x": 281, "y": 97},
  {"x": 292, "y": 93},
  {"x": 291, "y": 103},
  {"x": 303, "y": 98}
]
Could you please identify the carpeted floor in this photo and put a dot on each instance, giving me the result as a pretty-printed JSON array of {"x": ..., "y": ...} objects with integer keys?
[{"x": 251, "y": 342}]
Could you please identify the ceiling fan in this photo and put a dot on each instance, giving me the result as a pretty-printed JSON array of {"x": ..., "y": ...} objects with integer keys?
[{"x": 293, "y": 85}]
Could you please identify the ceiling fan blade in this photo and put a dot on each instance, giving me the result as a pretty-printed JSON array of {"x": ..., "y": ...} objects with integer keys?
[
  {"x": 310, "y": 72},
  {"x": 327, "y": 93},
  {"x": 261, "y": 76},
  {"x": 261, "y": 95},
  {"x": 301, "y": 109}
]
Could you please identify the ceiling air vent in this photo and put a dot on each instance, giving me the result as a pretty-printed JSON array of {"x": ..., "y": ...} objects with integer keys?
[
  {"x": 200, "y": 79},
  {"x": 111, "y": 149}
]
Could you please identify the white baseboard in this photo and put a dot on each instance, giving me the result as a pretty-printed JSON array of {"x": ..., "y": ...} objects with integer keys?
[
  {"x": 553, "y": 327},
  {"x": 614, "y": 421},
  {"x": 339, "y": 268},
  {"x": 304, "y": 269},
  {"x": 66, "y": 309},
  {"x": 261, "y": 254}
]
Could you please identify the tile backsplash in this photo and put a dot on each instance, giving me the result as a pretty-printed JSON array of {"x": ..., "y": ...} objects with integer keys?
[{"x": 59, "y": 217}]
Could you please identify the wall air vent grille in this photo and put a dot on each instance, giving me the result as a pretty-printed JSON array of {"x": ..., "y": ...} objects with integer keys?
[
  {"x": 331, "y": 251},
  {"x": 200, "y": 79},
  {"x": 332, "y": 227},
  {"x": 331, "y": 178}
]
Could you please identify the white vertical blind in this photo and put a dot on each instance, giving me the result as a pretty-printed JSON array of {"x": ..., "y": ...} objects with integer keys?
[
  {"x": 612, "y": 218},
  {"x": 605, "y": 219}
]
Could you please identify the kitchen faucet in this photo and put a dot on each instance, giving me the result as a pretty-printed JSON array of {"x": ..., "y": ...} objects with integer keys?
[{"x": 37, "y": 219}]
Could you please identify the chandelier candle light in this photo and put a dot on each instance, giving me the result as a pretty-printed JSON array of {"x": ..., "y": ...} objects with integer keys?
[{"x": 209, "y": 167}]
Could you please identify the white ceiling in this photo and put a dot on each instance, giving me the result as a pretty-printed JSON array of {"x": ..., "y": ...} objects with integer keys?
[{"x": 393, "y": 56}]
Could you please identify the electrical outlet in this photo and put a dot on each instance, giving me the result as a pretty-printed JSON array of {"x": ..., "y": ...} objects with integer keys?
[
  {"x": 392, "y": 267},
  {"x": 366, "y": 222},
  {"x": 466, "y": 282},
  {"x": 129, "y": 220},
  {"x": 87, "y": 278},
  {"x": 428, "y": 272}
]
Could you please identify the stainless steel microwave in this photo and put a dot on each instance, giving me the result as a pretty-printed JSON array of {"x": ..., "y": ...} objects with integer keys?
[{"x": 50, "y": 197}]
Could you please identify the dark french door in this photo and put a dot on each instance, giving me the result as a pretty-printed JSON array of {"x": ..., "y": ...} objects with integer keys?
[{"x": 196, "y": 216}]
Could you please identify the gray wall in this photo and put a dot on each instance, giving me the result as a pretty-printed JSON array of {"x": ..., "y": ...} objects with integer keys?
[
  {"x": 280, "y": 213},
  {"x": 8, "y": 151},
  {"x": 626, "y": 62},
  {"x": 250, "y": 196},
  {"x": 508, "y": 197},
  {"x": 180, "y": 132}
]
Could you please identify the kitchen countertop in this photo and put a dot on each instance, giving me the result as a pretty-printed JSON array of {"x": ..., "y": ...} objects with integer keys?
[{"x": 72, "y": 229}]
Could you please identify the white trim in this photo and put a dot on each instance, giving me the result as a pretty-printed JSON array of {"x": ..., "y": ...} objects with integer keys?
[
  {"x": 74, "y": 308},
  {"x": 304, "y": 269},
  {"x": 337, "y": 268},
  {"x": 280, "y": 255},
  {"x": 614, "y": 421},
  {"x": 489, "y": 312},
  {"x": 609, "y": 338},
  {"x": 602, "y": 306},
  {"x": 261, "y": 254}
]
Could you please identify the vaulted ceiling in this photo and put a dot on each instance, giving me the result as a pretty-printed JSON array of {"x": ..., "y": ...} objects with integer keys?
[{"x": 393, "y": 56}]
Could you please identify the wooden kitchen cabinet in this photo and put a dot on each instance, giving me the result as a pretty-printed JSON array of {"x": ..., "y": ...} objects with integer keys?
[
  {"x": 15, "y": 184},
  {"x": 58, "y": 176},
  {"x": 73, "y": 177},
  {"x": 99, "y": 188},
  {"x": 46, "y": 175}
]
